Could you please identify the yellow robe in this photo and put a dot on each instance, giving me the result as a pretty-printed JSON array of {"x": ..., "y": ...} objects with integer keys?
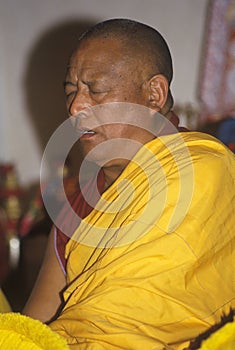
[{"x": 153, "y": 263}]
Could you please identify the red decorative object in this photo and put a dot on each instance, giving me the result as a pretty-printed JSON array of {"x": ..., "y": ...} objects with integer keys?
[
  {"x": 10, "y": 202},
  {"x": 217, "y": 80},
  {"x": 4, "y": 256}
]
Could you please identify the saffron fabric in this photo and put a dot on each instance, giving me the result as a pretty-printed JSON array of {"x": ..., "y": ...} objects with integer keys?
[{"x": 152, "y": 265}]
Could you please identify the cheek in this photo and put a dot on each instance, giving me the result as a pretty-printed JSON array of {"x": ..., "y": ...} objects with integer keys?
[
  {"x": 67, "y": 104},
  {"x": 114, "y": 131},
  {"x": 126, "y": 92},
  {"x": 122, "y": 131},
  {"x": 133, "y": 94}
]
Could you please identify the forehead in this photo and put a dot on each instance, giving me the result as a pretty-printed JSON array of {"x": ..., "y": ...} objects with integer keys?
[
  {"x": 99, "y": 48},
  {"x": 99, "y": 56}
]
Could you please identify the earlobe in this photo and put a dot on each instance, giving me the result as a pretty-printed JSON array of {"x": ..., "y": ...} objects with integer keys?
[{"x": 158, "y": 91}]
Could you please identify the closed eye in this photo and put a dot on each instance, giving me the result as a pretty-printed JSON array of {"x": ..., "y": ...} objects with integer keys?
[
  {"x": 69, "y": 94},
  {"x": 69, "y": 88},
  {"x": 93, "y": 90}
]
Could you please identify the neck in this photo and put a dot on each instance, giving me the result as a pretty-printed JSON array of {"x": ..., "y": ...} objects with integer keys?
[{"x": 111, "y": 173}]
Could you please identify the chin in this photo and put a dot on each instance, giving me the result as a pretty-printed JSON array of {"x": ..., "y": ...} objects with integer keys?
[{"x": 116, "y": 163}]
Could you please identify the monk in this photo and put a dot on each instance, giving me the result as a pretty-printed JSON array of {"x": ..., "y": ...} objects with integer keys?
[{"x": 150, "y": 266}]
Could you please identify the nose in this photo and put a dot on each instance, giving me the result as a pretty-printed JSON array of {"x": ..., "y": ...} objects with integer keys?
[{"x": 80, "y": 102}]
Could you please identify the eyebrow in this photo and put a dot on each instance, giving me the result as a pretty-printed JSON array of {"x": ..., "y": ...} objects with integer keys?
[{"x": 66, "y": 83}]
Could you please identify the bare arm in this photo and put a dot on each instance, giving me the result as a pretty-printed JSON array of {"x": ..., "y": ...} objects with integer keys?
[{"x": 45, "y": 298}]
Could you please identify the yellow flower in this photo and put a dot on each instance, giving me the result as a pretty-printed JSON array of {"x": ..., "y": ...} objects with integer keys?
[
  {"x": 19, "y": 332},
  {"x": 223, "y": 339}
]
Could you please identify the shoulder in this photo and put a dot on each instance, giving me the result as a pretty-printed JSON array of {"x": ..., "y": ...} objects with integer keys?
[
  {"x": 207, "y": 151},
  {"x": 199, "y": 164},
  {"x": 204, "y": 143}
]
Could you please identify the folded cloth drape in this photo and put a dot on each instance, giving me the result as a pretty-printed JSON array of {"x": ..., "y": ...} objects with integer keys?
[{"x": 152, "y": 265}]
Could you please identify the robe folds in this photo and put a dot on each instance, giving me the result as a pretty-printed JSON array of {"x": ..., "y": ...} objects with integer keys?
[{"x": 152, "y": 265}]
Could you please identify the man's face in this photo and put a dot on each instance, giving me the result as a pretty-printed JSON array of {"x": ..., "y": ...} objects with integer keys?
[{"x": 100, "y": 72}]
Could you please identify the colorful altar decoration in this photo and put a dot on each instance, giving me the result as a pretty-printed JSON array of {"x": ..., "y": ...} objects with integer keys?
[
  {"x": 10, "y": 207},
  {"x": 217, "y": 77}
]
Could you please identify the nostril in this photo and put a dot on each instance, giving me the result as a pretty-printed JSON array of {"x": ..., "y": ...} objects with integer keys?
[
  {"x": 76, "y": 118},
  {"x": 78, "y": 106},
  {"x": 82, "y": 114}
]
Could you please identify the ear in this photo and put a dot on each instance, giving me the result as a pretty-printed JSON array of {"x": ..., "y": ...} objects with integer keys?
[{"x": 157, "y": 91}]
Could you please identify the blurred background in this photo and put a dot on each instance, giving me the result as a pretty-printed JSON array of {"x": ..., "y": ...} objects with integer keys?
[{"x": 36, "y": 39}]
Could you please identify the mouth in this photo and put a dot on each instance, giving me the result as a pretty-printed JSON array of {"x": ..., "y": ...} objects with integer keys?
[{"x": 86, "y": 133}]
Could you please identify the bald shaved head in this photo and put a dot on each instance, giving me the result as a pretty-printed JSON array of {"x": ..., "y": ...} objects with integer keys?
[{"x": 138, "y": 41}]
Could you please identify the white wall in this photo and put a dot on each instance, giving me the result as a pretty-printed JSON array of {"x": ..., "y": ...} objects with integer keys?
[{"x": 24, "y": 22}]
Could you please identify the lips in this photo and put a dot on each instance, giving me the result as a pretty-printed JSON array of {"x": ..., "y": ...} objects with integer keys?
[{"x": 86, "y": 133}]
